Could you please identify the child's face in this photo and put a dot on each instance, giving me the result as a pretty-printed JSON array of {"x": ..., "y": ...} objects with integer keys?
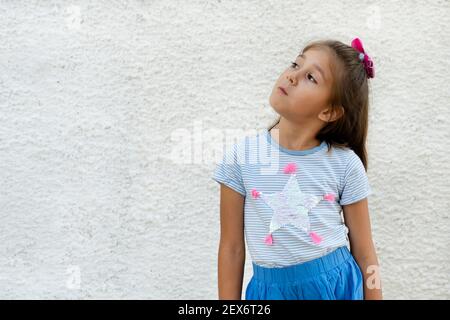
[{"x": 308, "y": 90}]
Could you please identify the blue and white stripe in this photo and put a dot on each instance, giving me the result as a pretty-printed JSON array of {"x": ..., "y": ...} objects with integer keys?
[{"x": 257, "y": 161}]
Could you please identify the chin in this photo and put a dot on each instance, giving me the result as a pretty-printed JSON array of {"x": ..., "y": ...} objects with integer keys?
[
  {"x": 273, "y": 106},
  {"x": 277, "y": 105}
]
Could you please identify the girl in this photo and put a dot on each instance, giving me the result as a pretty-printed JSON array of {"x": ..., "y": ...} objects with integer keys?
[{"x": 291, "y": 205}]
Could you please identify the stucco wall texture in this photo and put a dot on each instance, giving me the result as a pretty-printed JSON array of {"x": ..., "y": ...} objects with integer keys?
[{"x": 107, "y": 109}]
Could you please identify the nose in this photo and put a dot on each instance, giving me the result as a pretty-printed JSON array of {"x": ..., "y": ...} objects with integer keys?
[
  {"x": 289, "y": 78},
  {"x": 292, "y": 77}
]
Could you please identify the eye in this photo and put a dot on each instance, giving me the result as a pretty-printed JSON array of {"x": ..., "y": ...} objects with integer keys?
[
  {"x": 313, "y": 80},
  {"x": 294, "y": 64}
]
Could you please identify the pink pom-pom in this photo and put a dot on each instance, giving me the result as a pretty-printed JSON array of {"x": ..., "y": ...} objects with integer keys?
[
  {"x": 255, "y": 193},
  {"x": 329, "y": 196},
  {"x": 268, "y": 240},
  {"x": 290, "y": 168},
  {"x": 315, "y": 237}
]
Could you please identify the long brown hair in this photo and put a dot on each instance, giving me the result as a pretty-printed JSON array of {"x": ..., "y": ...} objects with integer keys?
[{"x": 351, "y": 91}]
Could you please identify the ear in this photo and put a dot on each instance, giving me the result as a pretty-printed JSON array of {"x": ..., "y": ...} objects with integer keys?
[{"x": 330, "y": 115}]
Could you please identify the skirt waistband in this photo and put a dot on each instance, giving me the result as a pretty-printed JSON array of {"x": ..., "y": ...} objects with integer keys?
[{"x": 302, "y": 270}]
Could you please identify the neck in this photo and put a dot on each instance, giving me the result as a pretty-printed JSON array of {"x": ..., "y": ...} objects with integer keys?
[{"x": 294, "y": 137}]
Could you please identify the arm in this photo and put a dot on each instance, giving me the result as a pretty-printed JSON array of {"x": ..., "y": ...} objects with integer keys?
[
  {"x": 356, "y": 216},
  {"x": 231, "y": 257}
]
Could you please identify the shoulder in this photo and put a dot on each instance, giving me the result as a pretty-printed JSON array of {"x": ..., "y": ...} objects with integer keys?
[
  {"x": 354, "y": 167},
  {"x": 241, "y": 142},
  {"x": 341, "y": 155},
  {"x": 238, "y": 143},
  {"x": 350, "y": 160},
  {"x": 350, "y": 156},
  {"x": 344, "y": 161},
  {"x": 353, "y": 160}
]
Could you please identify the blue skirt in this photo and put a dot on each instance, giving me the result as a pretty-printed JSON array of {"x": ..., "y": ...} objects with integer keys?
[{"x": 335, "y": 276}]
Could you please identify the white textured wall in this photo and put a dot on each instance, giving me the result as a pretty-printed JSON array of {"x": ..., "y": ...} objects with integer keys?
[{"x": 93, "y": 97}]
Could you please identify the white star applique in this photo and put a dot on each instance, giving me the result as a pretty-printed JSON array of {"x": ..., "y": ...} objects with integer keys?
[{"x": 291, "y": 206}]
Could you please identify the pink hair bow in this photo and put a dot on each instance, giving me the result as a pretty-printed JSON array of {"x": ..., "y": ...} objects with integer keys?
[{"x": 368, "y": 63}]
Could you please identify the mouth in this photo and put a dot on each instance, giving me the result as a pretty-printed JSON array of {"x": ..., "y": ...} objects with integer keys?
[{"x": 282, "y": 90}]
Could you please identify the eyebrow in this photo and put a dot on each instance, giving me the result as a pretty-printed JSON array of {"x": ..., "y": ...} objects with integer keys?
[{"x": 302, "y": 55}]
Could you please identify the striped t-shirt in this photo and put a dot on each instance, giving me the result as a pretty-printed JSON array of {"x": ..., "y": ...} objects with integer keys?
[{"x": 293, "y": 198}]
